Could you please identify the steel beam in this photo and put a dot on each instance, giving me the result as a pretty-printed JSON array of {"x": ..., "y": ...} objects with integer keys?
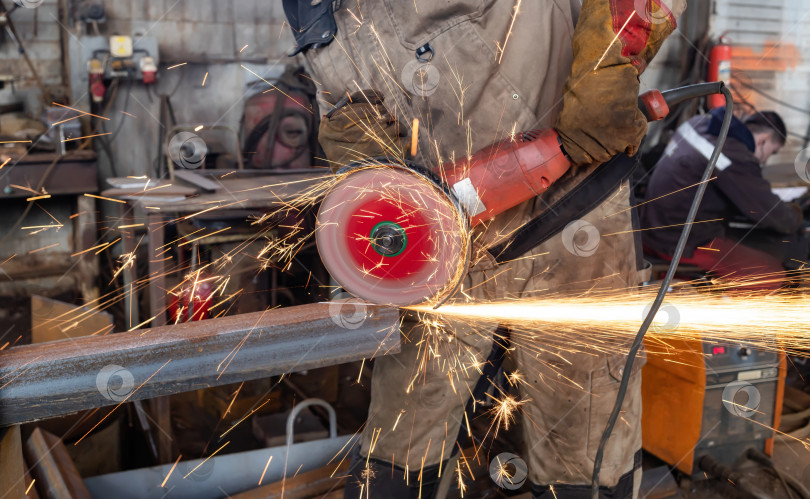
[{"x": 67, "y": 376}]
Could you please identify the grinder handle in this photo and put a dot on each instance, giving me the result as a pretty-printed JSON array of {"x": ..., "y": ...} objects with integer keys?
[
  {"x": 655, "y": 104},
  {"x": 515, "y": 170}
]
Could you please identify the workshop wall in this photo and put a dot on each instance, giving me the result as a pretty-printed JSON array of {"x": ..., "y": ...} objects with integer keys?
[
  {"x": 770, "y": 42},
  {"x": 672, "y": 64},
  {"x": 208, "y": 37},
  {"x": 40, "y": 33},
  {"x": 204, "y": 30}
]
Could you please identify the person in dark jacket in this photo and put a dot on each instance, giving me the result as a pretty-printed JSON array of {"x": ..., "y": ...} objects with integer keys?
[{"x": 737, "y": 192}]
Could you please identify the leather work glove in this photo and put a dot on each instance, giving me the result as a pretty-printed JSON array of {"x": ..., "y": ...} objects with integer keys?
[
  {"x": 360, "y": 127},
  {"x": 600, "y": 116}
]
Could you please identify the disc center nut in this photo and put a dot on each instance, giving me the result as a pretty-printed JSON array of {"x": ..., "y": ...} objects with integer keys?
[{"x": 388, "y": 238}]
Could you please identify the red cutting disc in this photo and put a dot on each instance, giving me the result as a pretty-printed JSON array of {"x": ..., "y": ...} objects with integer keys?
[
  {"x": 398, "y": 213},
  {"x": 390, "y": 236}
]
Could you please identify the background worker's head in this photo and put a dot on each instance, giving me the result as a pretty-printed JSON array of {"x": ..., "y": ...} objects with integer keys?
[{"x": 769, "y": 134}]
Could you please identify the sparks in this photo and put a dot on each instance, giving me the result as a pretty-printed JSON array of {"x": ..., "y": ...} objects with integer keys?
[
  {"x": 86, "y": 137},
  {"x": 614, "y": 40},
  {"x": 105, "y": 199},
  {"x": 80, "y": 111},
  {"x": 37, "y": 198},
  {"x": 509, "y": 32},
  {"x": 171, "y": 471}
]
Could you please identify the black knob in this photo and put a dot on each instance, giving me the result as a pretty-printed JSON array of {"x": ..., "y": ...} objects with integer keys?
[{"x": 388, "y": 239}]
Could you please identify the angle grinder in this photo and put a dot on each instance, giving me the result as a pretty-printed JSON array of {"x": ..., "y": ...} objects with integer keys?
[{"x": 399, "y": 234}]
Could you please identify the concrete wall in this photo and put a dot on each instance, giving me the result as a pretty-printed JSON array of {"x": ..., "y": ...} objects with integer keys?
[
  {"x": 211, "y": 36},
  {"x": 40, "y": 32},
  {"x": 207, "y": 35},
  {"x": 204, "y": 30},
  {"x": 770, "y": 42},
  {"x": 667, "y": 68}
]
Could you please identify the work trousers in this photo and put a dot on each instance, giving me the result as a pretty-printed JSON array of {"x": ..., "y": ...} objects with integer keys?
[{"x": 568, "y": 379}]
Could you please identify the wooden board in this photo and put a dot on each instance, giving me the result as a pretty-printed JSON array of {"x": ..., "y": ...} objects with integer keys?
[
  {"x": 55, "y": 474},
  {"x": 12, "y": 469},
  {"x": 55, "y": 320},
  {"x": 310, "y": 484},
  {"x": 335, "y": 494},
  {"x": 30, "y": 487},
  {"x": 70, "y": 175}
]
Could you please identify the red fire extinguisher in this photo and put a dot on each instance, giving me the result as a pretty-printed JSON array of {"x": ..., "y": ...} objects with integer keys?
[{"x": 719, "y": 70}]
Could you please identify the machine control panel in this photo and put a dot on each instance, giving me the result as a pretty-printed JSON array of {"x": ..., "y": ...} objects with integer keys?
[{"x": 725, "y": 356}]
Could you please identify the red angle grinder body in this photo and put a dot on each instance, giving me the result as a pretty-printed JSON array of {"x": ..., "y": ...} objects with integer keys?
[{"x": 398, "y": 234}]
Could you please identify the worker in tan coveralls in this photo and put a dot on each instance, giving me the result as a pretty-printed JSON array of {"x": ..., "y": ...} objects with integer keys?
[{"x": 472, "y": 72}]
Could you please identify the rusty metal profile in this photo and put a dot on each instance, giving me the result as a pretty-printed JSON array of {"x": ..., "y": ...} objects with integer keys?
[{"x": 62, "y": 377}]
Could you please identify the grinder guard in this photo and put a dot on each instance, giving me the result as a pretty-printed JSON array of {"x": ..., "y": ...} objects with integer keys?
[{"x": 393, "y": 234}]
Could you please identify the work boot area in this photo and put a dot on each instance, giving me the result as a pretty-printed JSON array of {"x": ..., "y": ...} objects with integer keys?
[{"x": 422, "y": 249}]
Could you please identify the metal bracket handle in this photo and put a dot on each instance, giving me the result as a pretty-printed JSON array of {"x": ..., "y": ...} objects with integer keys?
[{"x": 303, "y": 405}]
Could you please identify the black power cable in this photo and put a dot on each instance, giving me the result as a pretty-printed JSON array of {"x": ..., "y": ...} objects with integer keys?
[{"x": 659, "y": 298}]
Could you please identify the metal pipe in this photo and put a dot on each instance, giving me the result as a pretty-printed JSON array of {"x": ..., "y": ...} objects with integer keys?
[{"x": 62, "y": 377}]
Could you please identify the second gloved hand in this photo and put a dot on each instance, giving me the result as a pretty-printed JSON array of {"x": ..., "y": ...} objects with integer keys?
[
  {"x": 360, "y": 127},
  {"x": 613, "y": 42}
]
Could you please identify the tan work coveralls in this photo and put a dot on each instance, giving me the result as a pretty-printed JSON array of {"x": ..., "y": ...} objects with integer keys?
[{"x": 489, "y": 76}]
